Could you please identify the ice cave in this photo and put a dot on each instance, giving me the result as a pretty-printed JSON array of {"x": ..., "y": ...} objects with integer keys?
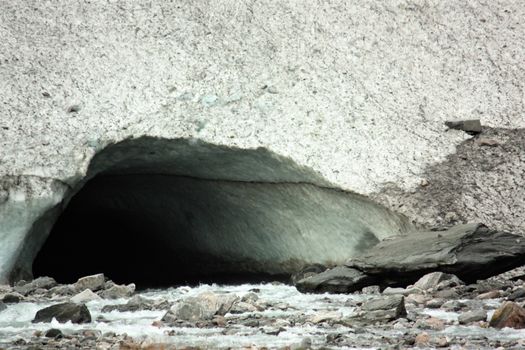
[{"x": 164, "y": 212}]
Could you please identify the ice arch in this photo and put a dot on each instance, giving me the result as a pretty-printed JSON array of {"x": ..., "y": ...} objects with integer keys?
[{"x": 159, "y": 211}]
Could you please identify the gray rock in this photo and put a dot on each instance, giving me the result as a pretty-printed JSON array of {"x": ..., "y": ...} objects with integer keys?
[
  {"x": 118, "y": 291},
  {"x": 84, "y": 297},
  {"x": 307, "y": 271},
  {"x": 384, "y": 309},
  {"x": 340, "y": 279},
  {"x": 138, "y": 303},
  {"x": 53, "y": 333},
  {"x": 472, "y": 316},
  {"x": 470, "y": 251},
  {"x": 13, "y": 298},
  {"x": 517, "y": 294},
  {"x": 2, "y": 306},
  {"x": 435, "y": 303},
  {"x": 447, "y": 294},
  {"x": 93, "y": 282},
  {"x": 62, "y": 290},
  {"x": 200, "y": 308},
  {"x": 472, "y": 126},
  {"x": 242, "y": 307},
  {"x": 40, "y": 283},
  {"x": 453, "y": 305},
  {"x": 433, "y": 280},
  {"x": 63, "y": 313},
  {"x": 250, "y": 298}
]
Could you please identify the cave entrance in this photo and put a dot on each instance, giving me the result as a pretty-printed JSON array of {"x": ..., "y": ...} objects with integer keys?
[
  {"x": 160, "y": 212},
  {"x": 145, "y": 229}
]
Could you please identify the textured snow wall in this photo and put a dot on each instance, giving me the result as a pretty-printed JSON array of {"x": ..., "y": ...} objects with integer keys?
[{"x": 210, "y": 209}]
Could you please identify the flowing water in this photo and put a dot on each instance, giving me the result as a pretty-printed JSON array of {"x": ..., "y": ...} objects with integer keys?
[{"x": 285, "y": 304}]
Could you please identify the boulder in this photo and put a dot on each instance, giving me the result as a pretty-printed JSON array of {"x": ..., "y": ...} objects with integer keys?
[
  {"x": 515, "y": 295},
  {"x": 340, "y": 279},
  {"x": 26, "y": 288},
  {"x": 470, "y": 252},
  {"x": 472, "y": 316},
  {"x": 84, "y": 297},
  {"x": 63, "y": 313},
  {"x": 53, "y": 333},
  {"x": 383, "y": 309},
  {"x": 435, "y": 279},
  {"x": 200, "y": 308},
  {"x": 12, "y": 298},
  {"x": 93, "y": 282},
  {"x": 509, "y": 315},
  {"x": 118, "y": 291}
]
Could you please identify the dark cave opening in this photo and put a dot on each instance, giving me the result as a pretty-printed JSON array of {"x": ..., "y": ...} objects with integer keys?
[{"x": 102, "y": 230}]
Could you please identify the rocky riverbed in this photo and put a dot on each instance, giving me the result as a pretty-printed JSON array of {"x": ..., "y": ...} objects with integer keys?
[{"x": 437, "y": 311}]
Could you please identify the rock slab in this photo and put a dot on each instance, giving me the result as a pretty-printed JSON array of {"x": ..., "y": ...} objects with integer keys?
[{"x": 470, "y": 252}]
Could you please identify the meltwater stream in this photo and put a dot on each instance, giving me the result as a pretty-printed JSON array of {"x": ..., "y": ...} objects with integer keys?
[{"x": 288, "y": 320}]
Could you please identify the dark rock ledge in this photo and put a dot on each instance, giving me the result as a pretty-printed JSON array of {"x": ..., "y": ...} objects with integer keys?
[{"x": 470, "y": 251}]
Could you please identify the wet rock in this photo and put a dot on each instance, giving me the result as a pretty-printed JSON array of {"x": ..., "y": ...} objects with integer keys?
[
  {"x": 250, "y": 298},
  {"x": 402, "y": 291},
  {"x": 437, "y": 281},
  {"x": 242, "y": 307},
  {"x": 53, "y": 333},
  {"x": 472, "y": 316},
  {"x": 384, "y": 309},
  {"x": 84, "y": 297},
  {"x": 447, "y": 294},
  {"x": 138, "y": 303},
  {"x": 471, "y": 126},
  {"x": 118, "y": 291},
  {"x": 515, "y": 295},
  {"x": 62, "y": 290},
  {"x": 92, "y": 282},
  {"x": 453, "y": 305},
  {"x": 340, "y": 279},
  {"x": 435, "y": 303},
  {"x": 12, "y": 298},
  {"x": 433, "y": 323},
  {"x": 41, "y": 283},
  {"x": 416, "y": 299},
  {"x": 2, "y": 306},
  {"x": 306, "y": 272},
  {"x": 200, "y": 308},
  {"x": 324, "y": 316},
  {"x": 64, "y": 312},
  {"x": 494, "y": 294},
  {"x": 510, "y": 315}
]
